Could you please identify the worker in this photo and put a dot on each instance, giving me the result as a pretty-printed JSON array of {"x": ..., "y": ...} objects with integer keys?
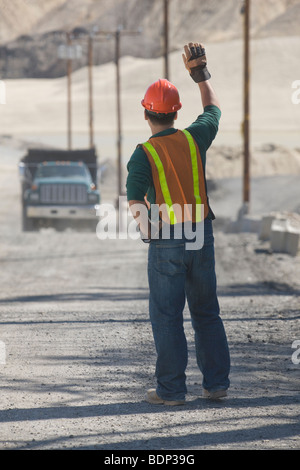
[{"x": 169, "y": 170}]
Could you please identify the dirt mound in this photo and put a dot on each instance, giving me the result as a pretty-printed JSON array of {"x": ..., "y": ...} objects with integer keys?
[
  {"x": 266, "y": 160},
  {"x": 20, "y": 17},
  {"x": 287, "y": 24}
]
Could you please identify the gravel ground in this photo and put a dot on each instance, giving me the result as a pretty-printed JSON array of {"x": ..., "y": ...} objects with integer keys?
[{"x": 80, "y": 355}]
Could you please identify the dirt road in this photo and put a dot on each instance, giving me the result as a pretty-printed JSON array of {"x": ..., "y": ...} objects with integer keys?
[{"x": 79, "y": 353}]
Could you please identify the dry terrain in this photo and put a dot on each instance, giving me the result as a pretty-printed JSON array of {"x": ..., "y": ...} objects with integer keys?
[
  {"x": 79, "y": 350},
  {"x": 76, "y": 348}
]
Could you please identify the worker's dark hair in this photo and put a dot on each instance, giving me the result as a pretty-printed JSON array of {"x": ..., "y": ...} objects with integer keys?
[{"x": 160, "y": 118}]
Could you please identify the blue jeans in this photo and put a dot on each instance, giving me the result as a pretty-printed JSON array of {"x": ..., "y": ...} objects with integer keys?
[{"x": 176, "y": 275}]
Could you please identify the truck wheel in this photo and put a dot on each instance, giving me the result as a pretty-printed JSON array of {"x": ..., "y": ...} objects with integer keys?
[{"x": 28, "y": 223}]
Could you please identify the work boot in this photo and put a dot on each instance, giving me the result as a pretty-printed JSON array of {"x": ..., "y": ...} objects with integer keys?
[
  {"x": 154, "y": 399},
  {"x": 217, "y": 395}
]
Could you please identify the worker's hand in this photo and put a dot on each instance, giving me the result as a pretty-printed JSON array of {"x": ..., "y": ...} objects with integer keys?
[{"x": 195, "y": 62}]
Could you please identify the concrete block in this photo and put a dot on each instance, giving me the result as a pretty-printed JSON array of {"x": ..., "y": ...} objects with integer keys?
[
  {"x": 284, "y": 238},
  {"x": 278, "y": 236},
  {"x": 292, "y": 242},
  {"x": 265, "y": 229},
  {"x": 277, "y": 241}
]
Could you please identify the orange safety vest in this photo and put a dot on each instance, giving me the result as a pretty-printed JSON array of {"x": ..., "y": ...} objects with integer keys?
[{"x": 178, "y": 177}]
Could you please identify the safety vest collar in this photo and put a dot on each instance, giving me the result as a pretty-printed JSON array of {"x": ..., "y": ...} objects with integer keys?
[{"x": 166, "y": 132}]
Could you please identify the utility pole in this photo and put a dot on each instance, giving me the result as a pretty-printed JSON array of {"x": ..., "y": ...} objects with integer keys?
[
  {"x": 69, "y": 78},
  {"x": 117, "y": 37},
  {"x": 81, "y": 37},
  {"x": 69, "y": 52},
  {"x": 117, "y": 34},
  {"x": 246, "y": 123},
  {"x": 91, "y": 107},
  {"x": 166, "y": 38},
  {"x": 119, "y": 123}
]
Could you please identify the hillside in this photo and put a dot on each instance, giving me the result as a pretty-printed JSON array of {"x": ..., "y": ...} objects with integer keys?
[
  {"x": 31, "y": 30},
  {"x": 20, "y": 17}
]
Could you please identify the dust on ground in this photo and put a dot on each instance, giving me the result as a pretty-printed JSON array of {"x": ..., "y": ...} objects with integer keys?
[{"x": 80, "y": 354}]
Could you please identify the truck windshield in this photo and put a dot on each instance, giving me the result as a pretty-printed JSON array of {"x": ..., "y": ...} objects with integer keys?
[{"x": 61, "y": 171}]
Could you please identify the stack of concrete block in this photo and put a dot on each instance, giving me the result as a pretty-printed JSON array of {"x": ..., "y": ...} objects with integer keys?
[{"x": 283, "y": 235}]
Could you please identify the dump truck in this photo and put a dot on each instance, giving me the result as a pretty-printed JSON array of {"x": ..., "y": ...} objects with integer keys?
[{"x": 59, "y": 189}]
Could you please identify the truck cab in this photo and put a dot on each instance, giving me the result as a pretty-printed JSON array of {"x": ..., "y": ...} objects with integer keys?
[{"x": 58, "y": 193}]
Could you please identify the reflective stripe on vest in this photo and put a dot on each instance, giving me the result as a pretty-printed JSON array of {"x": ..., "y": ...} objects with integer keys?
[
  {"x": 163, "y": 180},
  {"x": 193, "y": 152}
]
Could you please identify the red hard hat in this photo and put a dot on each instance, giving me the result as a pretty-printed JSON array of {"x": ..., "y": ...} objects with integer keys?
[{"x": 162, "y": 97}]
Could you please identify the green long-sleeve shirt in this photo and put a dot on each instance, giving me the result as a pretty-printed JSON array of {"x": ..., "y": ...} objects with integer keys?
[{"x": 139, "y": 179}]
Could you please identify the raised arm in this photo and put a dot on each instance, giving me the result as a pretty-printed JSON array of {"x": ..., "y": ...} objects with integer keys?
[{"x": 208, "y": 95}]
